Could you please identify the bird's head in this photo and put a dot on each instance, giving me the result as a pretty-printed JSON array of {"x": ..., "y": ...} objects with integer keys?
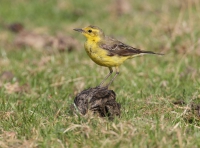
[{"x": 92, "y": 33}]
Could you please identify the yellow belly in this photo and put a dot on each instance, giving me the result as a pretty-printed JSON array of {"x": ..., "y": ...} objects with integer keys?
[{"x": 100, "y": 56}]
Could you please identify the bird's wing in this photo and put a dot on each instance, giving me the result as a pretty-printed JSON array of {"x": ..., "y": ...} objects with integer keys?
[{"x": 116, "y": 47}]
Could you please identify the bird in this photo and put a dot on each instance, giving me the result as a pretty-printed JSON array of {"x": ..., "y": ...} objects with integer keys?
[{"x": 107, "y": 51}]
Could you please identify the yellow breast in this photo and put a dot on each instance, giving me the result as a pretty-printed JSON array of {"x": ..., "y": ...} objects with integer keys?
[{"x": 100, "y": 56}]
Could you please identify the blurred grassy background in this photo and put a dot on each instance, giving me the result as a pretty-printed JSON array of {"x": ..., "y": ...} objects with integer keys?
[{"x": 43, "y": 66}]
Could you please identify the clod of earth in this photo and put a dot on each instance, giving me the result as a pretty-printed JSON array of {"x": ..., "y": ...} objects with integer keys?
[{"x": 99, "y": 100}]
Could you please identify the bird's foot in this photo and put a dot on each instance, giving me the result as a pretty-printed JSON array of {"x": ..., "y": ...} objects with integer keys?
[{"x": 100, "y": 87}]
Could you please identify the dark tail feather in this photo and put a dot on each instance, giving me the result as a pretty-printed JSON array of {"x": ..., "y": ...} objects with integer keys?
[{"x": 151, "y": 52}]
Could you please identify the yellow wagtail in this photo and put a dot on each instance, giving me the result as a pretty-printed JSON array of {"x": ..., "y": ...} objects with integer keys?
[{"x": 106, "y": 51}]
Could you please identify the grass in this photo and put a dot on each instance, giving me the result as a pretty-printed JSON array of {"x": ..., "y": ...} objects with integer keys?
[{"x": 35, "y": 101}]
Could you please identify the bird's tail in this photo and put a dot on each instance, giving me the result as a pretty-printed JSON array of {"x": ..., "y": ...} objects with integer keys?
[
  {"x": 151, "y": 52},
  {"x": 143, "y": 53}
]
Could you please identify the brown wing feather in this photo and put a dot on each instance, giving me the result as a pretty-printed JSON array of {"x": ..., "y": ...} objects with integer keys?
[{"x": 116, "y": 47}]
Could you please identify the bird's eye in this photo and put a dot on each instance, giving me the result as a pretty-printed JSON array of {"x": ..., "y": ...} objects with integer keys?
[{"x": 89, "y": 31}]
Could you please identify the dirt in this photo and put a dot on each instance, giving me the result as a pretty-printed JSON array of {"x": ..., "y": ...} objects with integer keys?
[{"x": 99, "y": 100}]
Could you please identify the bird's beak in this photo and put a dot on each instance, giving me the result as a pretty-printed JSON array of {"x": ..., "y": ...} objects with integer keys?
[{"x": 79, "y": 30}]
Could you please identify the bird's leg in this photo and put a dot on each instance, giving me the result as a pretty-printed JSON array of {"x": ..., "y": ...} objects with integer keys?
[
  {"x": 117, "y": 72},
  {"x": 111, "y": 71}
]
